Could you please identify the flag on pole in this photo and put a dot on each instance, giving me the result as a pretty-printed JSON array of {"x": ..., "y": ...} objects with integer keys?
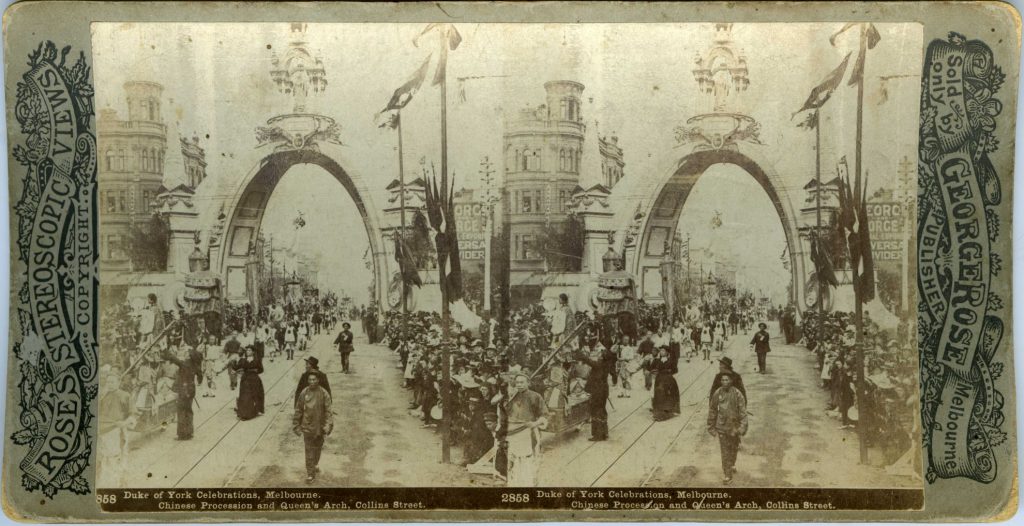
[
  {"x": 450, "y": 40},
  {"x": 410, "y": 276},
  {"x": 822, "y": 264},
  {"x": 869, "y": 38},
  {"x": 441, "y": 215},
  {"x": 853, "y": 219},
  {"x": 823, "y": 91},
  {"x": 392, "y": 121},
  {"x": 401, "y": 97}
]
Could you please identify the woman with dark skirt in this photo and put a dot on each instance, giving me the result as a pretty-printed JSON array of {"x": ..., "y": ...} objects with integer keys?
[
  {"x": 250, "y": 391},
  {"x": 666, "y": 390}
]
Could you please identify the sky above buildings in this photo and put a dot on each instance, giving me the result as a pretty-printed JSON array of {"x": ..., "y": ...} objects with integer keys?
[{"x": 638, "y": 78}]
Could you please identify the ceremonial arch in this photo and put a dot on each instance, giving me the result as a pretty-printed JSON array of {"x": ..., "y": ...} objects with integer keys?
[
  {"x": 657, "y": 222},
  {"x": 243, "y": 209}
]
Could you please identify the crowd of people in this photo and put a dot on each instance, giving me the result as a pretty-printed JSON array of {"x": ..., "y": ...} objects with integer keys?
[
  {"x": 536, "y": 369},
  {"x": 890, "y": 368},
  {"x": 477, "y": 362},
  {"x": 157, "y": 362}
]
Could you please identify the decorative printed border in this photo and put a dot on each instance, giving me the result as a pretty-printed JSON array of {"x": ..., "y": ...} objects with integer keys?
[
  {"x": 56, "y": 349},
  {"x": 958, "y": 192}
]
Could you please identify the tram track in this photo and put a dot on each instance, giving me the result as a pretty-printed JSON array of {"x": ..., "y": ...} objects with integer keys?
[
  {"x": 698, "y": 377},
  {"x": 222, "y": 410}
]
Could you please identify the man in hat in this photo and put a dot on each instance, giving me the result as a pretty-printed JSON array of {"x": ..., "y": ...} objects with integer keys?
[
  {"x": 190, "y": 371},
  {"x": 344, "y": 343},
  {"x": 760, "y": 345},
  {"x": 725, "y": 369},
  {"x": 602, "y": 366},
  {"x": 312, "y": 368},
  {"x": 313, "y": 421},
  {"x": 727, "y": 419}
]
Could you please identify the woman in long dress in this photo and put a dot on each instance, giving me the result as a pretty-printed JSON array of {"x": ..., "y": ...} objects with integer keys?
[
  {"x": 666, "y": 390},
  {"x": 250, "y": 391}
]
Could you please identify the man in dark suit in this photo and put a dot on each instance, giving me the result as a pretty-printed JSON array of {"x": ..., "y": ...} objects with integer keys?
[
  {"x": 312, "y": 367},
  {"x": 761, "y": 346},
  {"x": 725, "y": 369},
  {"x": 190, "y": 371},
  {"x": 344, "y": 343},
  {"x": 602, "y": 365}
]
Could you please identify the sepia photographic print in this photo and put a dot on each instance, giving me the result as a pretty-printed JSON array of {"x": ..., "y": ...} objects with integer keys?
[
  {"x": 564, "y": 261},
  {"x": 495, "y": 255}
]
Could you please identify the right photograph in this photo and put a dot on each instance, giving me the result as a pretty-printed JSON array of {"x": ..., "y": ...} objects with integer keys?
[{"x": 722, "y": 291}]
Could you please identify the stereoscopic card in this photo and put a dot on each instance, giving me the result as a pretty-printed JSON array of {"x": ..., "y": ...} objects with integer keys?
[{"x": 510, "y": 262}]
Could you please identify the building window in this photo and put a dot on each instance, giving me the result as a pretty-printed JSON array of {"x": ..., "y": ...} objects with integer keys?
[
  {"x": 145, "y": 160},
  {"x": 115, "y": 247},
  {"x": 563, "y": 200},
  {"x": 538, "y": 201},
  {"x": 152, "y": 110},
  {"x": 570, "y": 109},
  {"x": 529, "y": 250},
  {"x": 563, "y": 164},
  {"x": 527, "y": 203},
  {"x": 121, "y": 158},
  {"x": 533, "y": 161}
]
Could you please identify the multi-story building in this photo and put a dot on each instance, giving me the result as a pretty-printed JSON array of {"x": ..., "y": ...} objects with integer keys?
[
  {"x": 130, "y": 171},
  {"x": 132, "y": 168},
  {"x": 547, "y": 150}
]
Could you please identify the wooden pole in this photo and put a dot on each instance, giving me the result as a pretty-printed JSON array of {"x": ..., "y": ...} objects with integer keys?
[
  {"x": 817, "y": 232},
  {"x": 401, "y": 204},
  {"x": 446, "y": 366},
  {"x": 863, "y": 418}
]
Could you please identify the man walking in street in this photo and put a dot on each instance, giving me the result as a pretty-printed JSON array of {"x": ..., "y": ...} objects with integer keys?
[
  {"x": 190, "y": 371},
  {"x": 525, "y": 410},
  {"x": 602, "y": 366},
  {"x": 312, "y": 368},
  {"x": 727, "y": 419},
  {"x": 313, "y": 421},
  {"x": 344, "y": 343},
  {"x": 725, "y": 369},
  {"x": 760, "y": 345}
]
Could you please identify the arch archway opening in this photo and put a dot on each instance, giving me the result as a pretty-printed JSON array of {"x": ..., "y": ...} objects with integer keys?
[
  {"x": 748, "y": 201},
  {"x": 319, "y": 232}
]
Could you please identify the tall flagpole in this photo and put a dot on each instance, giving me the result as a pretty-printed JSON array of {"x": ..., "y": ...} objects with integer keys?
[
  {"x": 862, "y": 413},
  {"x": 446, "y": 383},
  {"x": 401, "y": 204},
  {"x": 817, "y": 232}
]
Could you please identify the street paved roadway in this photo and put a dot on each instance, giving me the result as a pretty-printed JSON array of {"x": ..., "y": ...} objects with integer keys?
[{"x": 791, "y": 442}]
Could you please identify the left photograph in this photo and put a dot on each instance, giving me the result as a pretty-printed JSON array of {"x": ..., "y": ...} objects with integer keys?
[{"x": 259, "y": 215}]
